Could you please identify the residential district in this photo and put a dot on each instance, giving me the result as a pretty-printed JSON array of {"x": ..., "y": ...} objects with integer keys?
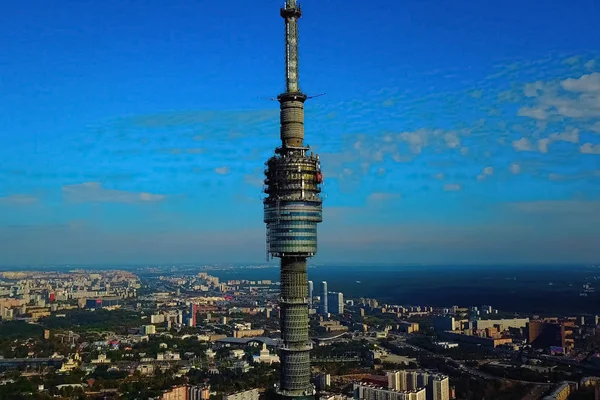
[{"x": 114, "y": 334}]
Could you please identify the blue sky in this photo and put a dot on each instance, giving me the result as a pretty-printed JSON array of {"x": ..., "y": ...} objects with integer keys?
[{"x": 451, "y": 132}]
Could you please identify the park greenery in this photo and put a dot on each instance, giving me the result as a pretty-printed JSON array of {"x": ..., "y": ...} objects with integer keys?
[{"x": 117, "y": 321}]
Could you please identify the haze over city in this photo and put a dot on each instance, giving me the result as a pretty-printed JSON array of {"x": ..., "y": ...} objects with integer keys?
[
  {"x": 165, "y": 170},
  {"x": 450, "y": 133}
]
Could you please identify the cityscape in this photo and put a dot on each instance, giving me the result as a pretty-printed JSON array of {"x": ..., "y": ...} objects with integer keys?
[
  {"x": 488, "y": 293},
  {"x": 156, "y": 332}
]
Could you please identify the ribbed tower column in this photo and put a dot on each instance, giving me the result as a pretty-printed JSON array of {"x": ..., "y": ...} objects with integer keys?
[{"x": 292, "y": 210}]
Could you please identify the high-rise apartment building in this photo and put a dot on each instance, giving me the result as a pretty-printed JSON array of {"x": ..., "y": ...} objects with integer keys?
[
  {"x": 543, "y": 335},
  {"x": 365, "y": 391},
  {"x": 193, "y": 311},
  {"x": 324, "y": 309},
  {"x": 436, "y": 385},
  {"x": 335, "y": 302},
  {"x": 440, "y": 389}
]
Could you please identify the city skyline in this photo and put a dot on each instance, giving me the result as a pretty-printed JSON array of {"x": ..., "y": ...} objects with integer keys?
[{"x": 142, "y": 138}]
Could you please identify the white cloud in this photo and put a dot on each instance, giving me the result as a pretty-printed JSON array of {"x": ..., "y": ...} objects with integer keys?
[
  {"x": 571, "y": 60},
  {"x": 571, "y": 136},
  {"x": 402, "y": 158},
  {"x": 422, "y": 138},
  {"x": 533, "y": 112},
  {"x": 586, "y": 83},
  {"x": 222, "y": 170},
  {"x": 254, "y": 180},
  {"x": 522, "y": 144},
  {"x": 543, "y": 145},
  {"x": 533, "y": 89},
  {"x": 145, "y": 196},
  {"x": 20, "y": 199},
  {"x": 596, "y": 127},
  {"x": 574, "y": 177},
  {"x": 401, "y": 147},
  {"x": 487, "y": 171},
  {"x": 415, "y": 140},
  {"x": 589, "y": 148},
  {"x": 452, "y": 140},
  {"x": 452, "y": 187},
  {"x": 476, "y": 94},
  {"x": 365, "y": 167},
  {"x": 439, "y": 176},
  {"x": 515, "y": 168},
  {"x": 94, "y": 192},
  {"x": 590, "y": 65},
  {"x": 577, "y": 98},
  {"x": 558, "y": 207}
]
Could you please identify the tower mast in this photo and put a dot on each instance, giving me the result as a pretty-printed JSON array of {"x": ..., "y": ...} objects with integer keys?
[
  {"x": 292, "y": 209},
  {"x": 291, "y": 13}
]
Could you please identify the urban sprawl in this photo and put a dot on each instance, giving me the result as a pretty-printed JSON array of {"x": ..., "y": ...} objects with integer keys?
[{"x": 114, "y": 334}]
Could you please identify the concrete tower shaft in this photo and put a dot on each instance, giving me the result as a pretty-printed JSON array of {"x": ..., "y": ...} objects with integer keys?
[
  {"x": 292, "y": 210},
  {"x": 291, "y": 117}
]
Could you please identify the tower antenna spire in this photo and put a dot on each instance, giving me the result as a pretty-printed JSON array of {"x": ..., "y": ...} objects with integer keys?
[{"x": 291, "y": 12}]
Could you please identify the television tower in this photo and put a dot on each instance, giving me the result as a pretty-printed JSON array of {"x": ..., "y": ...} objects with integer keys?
[{"x": 292, "y": 209}]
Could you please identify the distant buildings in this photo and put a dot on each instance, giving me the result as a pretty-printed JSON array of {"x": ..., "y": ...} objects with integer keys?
[
  {"x": 332, "y": 326},
  {"x": 548, "y": 335},
  {"x": 477, "y": 340},
  {"x": 168, "y": 356},
  {"x": 324, "y": 309},
  {"x": 335, "y": 302},
  {"x": 242, "y": 333},
  {"x": 192, "y": 315},
  {"x": 367, "y": 391},
  {"x": 187, "y": 393},
  {"x": 199, "y": 392},
  {"x": 101, "y": 359},
  {"x": 148, "y": 330},
  {"x": 408, "y": 327},
  {"x": 403, "y": 385},
  {"x": 157, "y": 318},
  {"x": 436, "y": 385},
  {"x": 561, "y": 392},
  {"x": 310, "y": 294},
  {"x": 323, "y": 381},
  {"x": 265, "y": 356},
  {"x": 500, "y": 324},
  {"x": 103, "y": 302}
]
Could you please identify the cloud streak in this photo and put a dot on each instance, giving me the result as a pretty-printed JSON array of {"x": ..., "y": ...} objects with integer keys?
[
  {"x": 93, "y": 192},
  {"x": 222, "y": 170},
  {"x": 19, "y": 199}
]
